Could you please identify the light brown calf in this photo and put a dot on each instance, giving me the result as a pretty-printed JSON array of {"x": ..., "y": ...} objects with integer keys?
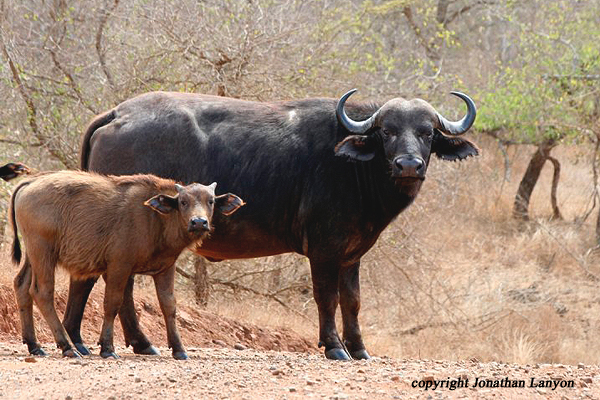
[{"x": 105, "y": 225}]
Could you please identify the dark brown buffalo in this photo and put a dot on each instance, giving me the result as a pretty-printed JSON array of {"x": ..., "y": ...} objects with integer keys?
[
  {"x": 96, "y": 225},
  {"x": 12, "y": 170},
  {"x": 318, "y": 182}
]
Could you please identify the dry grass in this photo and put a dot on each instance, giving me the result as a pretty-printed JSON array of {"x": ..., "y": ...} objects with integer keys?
[
  {"x": 455, "y": 276},
  {"x": 471, "y": 282}
]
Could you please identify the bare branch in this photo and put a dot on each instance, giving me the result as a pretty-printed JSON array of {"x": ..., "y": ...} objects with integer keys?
[
  {"x": 32, "y": 111},
  {"x": 432, "y": 54},
  {"x": 101, "y": 57},
  {"x": 183, "y": 273},
  {"x": 465, "y": 9},
  {"x": 237, "y": 286},
  {"x": 72, "y": 84}
]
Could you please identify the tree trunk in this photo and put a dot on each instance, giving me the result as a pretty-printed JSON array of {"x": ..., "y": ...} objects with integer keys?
[
  {"x": 555, "y": 178},
  {"x": 530, "y": 178},
  {"x": 596, "y": 194},
  {"x": 201, "y": 283}
]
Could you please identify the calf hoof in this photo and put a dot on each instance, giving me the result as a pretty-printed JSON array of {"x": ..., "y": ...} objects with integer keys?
[
  {"x": 38, "y": 351},
  {"x": 109, "y": 354},
  {"x": 71, "y": 353},
  {"x": 337, "y": 354},
  {"x": 82, "y": 349},
  {"x": 180, "y": 355},
  {"x": 360, "y": 355},
  {"x": 148, "y": 351}
]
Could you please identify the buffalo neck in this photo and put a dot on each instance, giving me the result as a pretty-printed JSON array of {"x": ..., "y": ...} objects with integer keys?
[{"x": 381, "y": 198}]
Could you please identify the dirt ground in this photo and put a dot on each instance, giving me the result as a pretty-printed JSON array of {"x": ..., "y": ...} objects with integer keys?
[
  {"x": 227, "y": 373},
  {"x": 235, "y": 360}
]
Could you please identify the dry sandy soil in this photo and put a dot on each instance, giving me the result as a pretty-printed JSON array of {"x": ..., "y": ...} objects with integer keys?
[
  {"x": 232, "y": 359},
  {"x": 248, "y": 374}
]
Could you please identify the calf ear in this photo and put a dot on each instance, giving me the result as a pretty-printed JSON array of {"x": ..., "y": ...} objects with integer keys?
[
  {"x": 162, "y": 203},
  {"x": 228, "y": 203},
  {"x": 452, "y": 148},
  {"x": 357, "y": 147}
]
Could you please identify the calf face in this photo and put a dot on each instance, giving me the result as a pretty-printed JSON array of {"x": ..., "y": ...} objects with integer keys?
[{"x": 195, "y": 204}]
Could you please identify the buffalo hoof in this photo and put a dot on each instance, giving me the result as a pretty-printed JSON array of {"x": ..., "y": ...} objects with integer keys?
[
  {"x": 337, "y": 354},
  {"x": 109, "y": 354},
  {"x": 38, "y": 351},
  {"x": 82, "y": 349},
  {"x": 148, "y": 351},
  {"x": 360, "y": 355},
  {"x": 71, "y": 353},
  {"x": 180, "y": 355}
]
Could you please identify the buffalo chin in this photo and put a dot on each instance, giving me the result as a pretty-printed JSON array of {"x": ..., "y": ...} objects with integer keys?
[
  {"x": 407, "y": 180},
  {"x": 198, "y": 237}
]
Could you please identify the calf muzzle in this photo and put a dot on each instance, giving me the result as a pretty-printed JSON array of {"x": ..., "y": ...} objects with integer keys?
[{"x": 198, "y": 224}]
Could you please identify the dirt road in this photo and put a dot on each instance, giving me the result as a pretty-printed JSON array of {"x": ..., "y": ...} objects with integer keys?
[{"x": 247, "y": 374}]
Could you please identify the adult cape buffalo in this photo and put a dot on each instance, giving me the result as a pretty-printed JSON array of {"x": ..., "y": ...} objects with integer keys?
[{"x": 316, "y": 181}]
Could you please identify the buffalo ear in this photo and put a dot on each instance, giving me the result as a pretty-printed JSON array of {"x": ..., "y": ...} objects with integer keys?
[
  {"x": 163, "y": 203},
  {"x": 228, "y": 203},
  {"x": 12, "y": 170},
  {"x": 452, "y": 148},
  {"x": 357, "y": 147}
]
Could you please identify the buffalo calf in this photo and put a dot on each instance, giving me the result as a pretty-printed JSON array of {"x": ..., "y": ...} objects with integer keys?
[{"x": 96, "y": 225}]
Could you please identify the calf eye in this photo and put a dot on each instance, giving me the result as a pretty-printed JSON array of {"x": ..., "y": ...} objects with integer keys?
[
  {"x": 184, "y": 203},
  {"x": 211, "y": 202}
]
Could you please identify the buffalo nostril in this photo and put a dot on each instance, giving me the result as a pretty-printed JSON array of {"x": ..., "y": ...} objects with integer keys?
[
  {"x": 419, "y": 165},
  {"x": 398, "y": 163}
]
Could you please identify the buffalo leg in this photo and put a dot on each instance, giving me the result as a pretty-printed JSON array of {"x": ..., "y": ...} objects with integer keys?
[
  {"x": 131, "y": 327},
  {"x": 165, "y": 290},
  {"x": 79, "y": 292},
  {"x": 325, "y": 290},
  {"x": 113, "y": 299},
  {"x": 349, "y": 286},
  {"x": 22, "y": 283},
  {"x": 42, "y": 291}
]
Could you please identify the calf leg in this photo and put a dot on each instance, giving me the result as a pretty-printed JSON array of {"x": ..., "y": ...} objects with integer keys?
[
  {"x": 131, "y": 327},
  {"x": 42, "y": 291},
  {"x": 325, "y": 290},
  {"x": 349, "y": 286},
  {"x": 79, "y": 291},
  {"x": 22, "y": 283},
  {"x": 165, "y": 290},
  {"x": 113, "y": 298}
]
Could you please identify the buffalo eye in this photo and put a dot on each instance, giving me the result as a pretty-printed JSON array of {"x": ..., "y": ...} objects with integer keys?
[
  {"x": 211, "y": 202},
  {"x": 184, "y": 203},
  {"x": 385, "y": 132}
]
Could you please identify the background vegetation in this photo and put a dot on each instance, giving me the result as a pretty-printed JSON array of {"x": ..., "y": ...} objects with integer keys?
[{"x": 456, "y": 275}]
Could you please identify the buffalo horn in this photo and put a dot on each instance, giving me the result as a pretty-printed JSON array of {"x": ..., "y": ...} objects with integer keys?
[
  {"x": 459, "y": 127},
  {"x": 353, "y": 126}
]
